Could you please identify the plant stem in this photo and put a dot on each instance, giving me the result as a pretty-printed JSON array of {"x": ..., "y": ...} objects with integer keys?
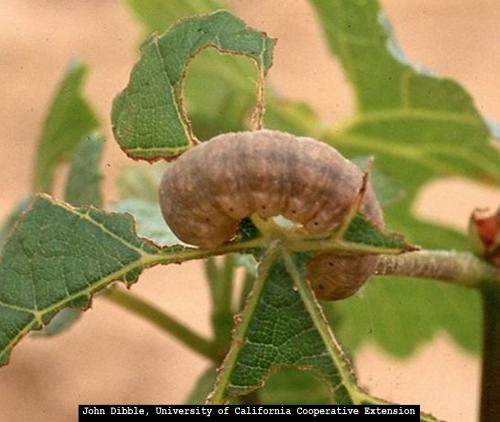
[
  {"x": 334, "y": 245},
  {"x": 466, "y": 270},
  {"x": 211, "y": 275},
  {"x": 457, "y": 267},
  {"x": 159, "y": 318},
  {"x": 490, "y": 388},
  {"x": 218, "y": 394},
  {"x": 245, "y": 290},
  {"x": 222, "y": 313}
]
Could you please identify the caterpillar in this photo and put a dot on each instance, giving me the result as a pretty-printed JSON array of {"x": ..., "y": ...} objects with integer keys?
[{"x": 209, "y": 189}]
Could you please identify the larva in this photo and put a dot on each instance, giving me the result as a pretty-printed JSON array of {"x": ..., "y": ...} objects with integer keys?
[{"x": 210, "y": 188}]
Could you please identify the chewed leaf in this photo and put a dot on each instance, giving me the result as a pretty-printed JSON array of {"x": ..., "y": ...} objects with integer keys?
[
  {"x": 218, "y": 91},
  {"x": 148, "y": 117},
  {"x": 58, "y": 256},
  {"x": 292, "y": 386},
  {"x": 283, "y": 326},
  {"x": 281, "y": 333}
]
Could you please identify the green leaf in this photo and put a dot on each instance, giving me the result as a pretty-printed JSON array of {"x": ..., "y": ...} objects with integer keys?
[
  {"x": 217, "y": 91},
  {"x": 283, "y": 326},
  {"x": 69, "y": 119},
  {"x": 11, "y": 220},
  {"x": 361, "y": 230},
  {"x": 285, "y": 386},
  {"x": 399, "y": 314},
  {"x": 388, "y": 191},
  {"x": 148, "y": 117},
  {"x": 83, "y": 185},
  {"x": 279, "y": 332},
  {"x": 150, "y": 222},
  {"x": 202, "y": 387},
  {"x": 58, "y": 256},
  {"x": 430, "y": 125},
  {"x": 139, "y": 182},
  {"x": 158, "y": 15},
  {"x": 292, "y": 386},
  {"x": 418, "y": 128},
  {"x": 62, "y": 321},
  {"x": 402, "y": 113}
]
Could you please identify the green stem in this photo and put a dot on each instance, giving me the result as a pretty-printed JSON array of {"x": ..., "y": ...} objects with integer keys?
[
  {"x": 211, "y": 275},
  {"x": 246, "y": 289},
  {"x": 490, "y": 388},
  {"x": 181, "y": 254},
  {"x": 218, "y": 395},
  {"x": 160, "y": 319},
  {"x": 222, "y": 313}
]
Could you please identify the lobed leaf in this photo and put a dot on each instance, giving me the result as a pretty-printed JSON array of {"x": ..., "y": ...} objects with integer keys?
[
  {"x": 282, "y": 326},
  {"x": 278, "y": 329},
  {"x": 430, "y": 124},
  {"x": 148, "y": 117},
  {"x": 83, "y": 187},
  {"x": 58, "y": 256},
  {"x": 403, "y": 113},
  {"x": 418, "y": 128}
]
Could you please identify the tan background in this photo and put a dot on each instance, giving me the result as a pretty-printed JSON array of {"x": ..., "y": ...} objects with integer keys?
[{"x": 113, "y": 357}]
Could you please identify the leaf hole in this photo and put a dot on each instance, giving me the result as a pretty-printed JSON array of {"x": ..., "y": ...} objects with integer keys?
[{"x": 207, "y": 94}]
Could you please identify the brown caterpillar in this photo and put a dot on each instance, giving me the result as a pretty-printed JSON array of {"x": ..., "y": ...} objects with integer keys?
[{"x": 210, "y": 188}]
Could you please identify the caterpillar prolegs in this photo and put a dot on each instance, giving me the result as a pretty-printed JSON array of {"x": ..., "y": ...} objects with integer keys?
[{"x": 212, "y": 187}]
